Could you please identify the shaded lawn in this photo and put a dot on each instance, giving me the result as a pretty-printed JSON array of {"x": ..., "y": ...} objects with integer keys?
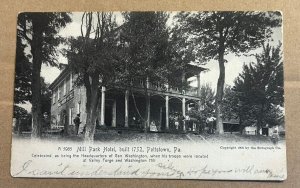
[
  {"x": 134, "y": 136},
  {"x": 125, "y": 136}
]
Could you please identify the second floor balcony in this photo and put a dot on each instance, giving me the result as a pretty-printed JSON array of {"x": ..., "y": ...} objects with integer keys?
[{"x": 164, "y": 88}]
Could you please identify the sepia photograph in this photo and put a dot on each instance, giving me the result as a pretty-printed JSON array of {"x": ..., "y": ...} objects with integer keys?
[{"x": 149, "y": 95}]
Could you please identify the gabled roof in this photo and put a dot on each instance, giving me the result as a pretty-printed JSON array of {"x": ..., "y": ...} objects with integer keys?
[
  {"x": 60, "y": 77},
  {"x": 192, "y": 70}
]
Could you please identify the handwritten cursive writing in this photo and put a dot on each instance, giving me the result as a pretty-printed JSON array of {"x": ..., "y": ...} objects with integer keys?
[{"x": 160, "y": 170}]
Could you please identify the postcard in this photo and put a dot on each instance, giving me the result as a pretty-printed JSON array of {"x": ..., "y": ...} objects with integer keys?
[{"x": 164, "y": 95}]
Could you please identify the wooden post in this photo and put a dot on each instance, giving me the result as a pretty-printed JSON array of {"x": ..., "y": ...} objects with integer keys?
[
  {"x": 114, "y": 114},
  {"x": 183, "y": 81},
  {"x": 160, "y": 118},
  {"x": 103, "y": 89},
  {"x": 199, "y": 91},
  {"x": 167, "y": 112},
  {"x": 148, "y": 103},
  {"x": 198, "y": 84},
  {"x": 126, "y": 107},
  {"x": 183, "y": 112}
]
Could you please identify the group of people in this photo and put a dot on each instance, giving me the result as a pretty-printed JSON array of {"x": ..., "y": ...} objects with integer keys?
[{"x": 176, "y": 121}]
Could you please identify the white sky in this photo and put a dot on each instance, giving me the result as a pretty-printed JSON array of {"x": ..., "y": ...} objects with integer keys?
[{"x": 233, "y": 67}]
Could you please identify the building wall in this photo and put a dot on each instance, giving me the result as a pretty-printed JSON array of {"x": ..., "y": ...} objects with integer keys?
[
  {"x": 73, "y": 101},
  {"x": 69, "y": 99}
]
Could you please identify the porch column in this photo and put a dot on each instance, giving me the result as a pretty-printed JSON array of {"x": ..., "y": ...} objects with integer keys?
[
  {"x": 183, "y": 112},
  {"x": 183, "y": 81},
  {"x": 167, "y": 112},
  {"x": 114, "y": 114},
  {"x": 103, "y": 89},
  {"x": 148, "y": 103},
  {"x": 126, "y": 107},
  {"x": 198, "y": 85}
]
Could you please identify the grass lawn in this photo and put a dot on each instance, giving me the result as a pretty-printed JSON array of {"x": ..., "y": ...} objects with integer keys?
[{"x": 134, "y": 136}]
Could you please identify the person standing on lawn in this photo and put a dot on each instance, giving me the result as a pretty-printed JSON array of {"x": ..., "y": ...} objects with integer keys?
[{"x": 77, "y": 123}]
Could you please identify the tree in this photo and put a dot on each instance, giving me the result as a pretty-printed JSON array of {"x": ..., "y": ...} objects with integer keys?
[
  {"x": 206, "y": 108},
  {"x": 230, "y": 106},
  {"x": 39, "y": 31},
  {"x": 260, "y": 89},
  {"x": 148, "y": 52},
  {"x": 234, "y": 108},
  {"x": 181, "y": 53},
  {"x": 19, "y": 112},
  {"x": 23, "y": 69},
  {"x": 216, "y": 34},
  {"x": 95, "y": 60},
  {"x": 22, "y": 89}
]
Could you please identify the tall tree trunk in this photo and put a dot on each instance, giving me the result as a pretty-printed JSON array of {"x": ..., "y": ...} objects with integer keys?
[
  {"x": 92, "y": 95},
  {"x": 220, "y": 92},
  {"x": 36, "y": 53}
]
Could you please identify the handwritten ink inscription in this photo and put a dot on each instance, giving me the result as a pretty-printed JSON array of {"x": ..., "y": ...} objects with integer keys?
[{"x": 160, "y": 170}]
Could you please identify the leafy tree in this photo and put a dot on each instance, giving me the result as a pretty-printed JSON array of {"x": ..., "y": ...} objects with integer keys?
[
  {"x": 19, "y": 112},
  {"x": 234, "y": 108},
  {"x": 23, "y": 69},
  {"x": 148, "y": 52},
  {"x": 230, "y": 106},
  {"x": 206, "y": 109},
  {"x": 207, "y": 97},
  {"x": 216, "y": 34},
  {"x": 22, "y": 89},
  {"x": 94, "y": 57},
  {"x": 181, "y": 53},
  {"x": 39, "y": 31},
  {"x": 260, "y": 89}
]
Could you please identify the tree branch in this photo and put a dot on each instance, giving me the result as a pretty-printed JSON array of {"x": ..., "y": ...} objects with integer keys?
[
  {"x": 23, "y": 32},
  {"x": 82, "y": 24}
]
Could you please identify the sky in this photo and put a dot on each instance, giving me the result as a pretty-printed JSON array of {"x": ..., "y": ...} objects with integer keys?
[{"x": 232, "y": 68}]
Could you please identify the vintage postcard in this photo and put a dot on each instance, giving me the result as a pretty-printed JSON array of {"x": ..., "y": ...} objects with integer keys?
[{"x": 166, "y": 95}]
